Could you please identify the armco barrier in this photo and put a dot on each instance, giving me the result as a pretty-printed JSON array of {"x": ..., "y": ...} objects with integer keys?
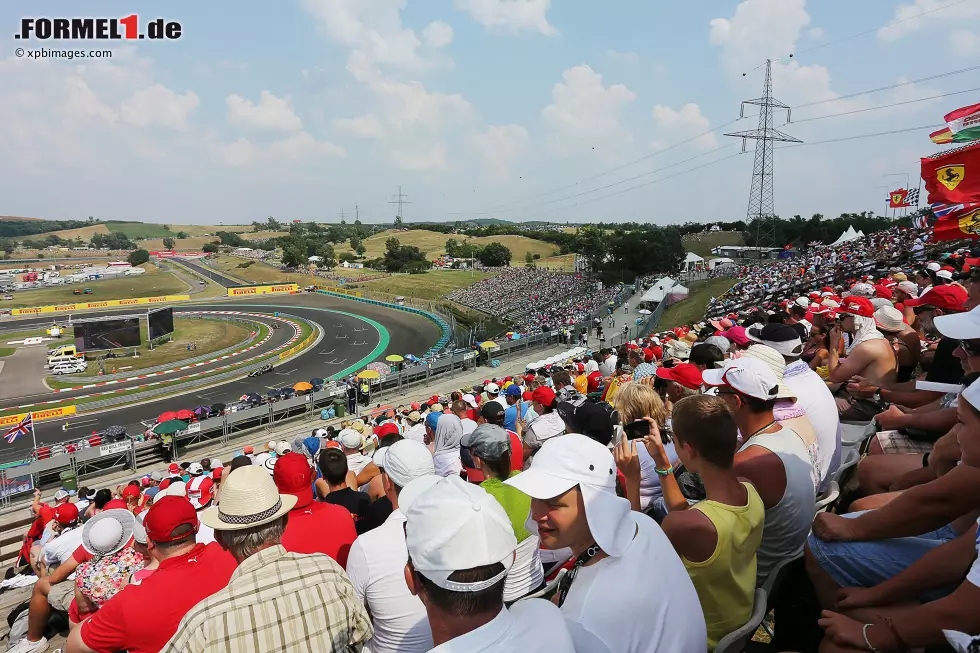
[
  {"x": 438, "y": 321},
  {"x": 244, "y": 291},
  {"x": 109, "y": 303}
]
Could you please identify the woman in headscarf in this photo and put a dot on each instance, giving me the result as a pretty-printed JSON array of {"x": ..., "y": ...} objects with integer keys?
[{"x": 445, "y": 457}]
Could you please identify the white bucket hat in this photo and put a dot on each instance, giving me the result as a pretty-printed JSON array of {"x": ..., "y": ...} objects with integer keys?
[
  {"x": 351, "y": 439},
  {"x": 453, "y": 525},
  {"x": 249, "y": 497},
  {"x": 574, "y": 459},
  {"x": 108, "y": 531},
  {"x": 888, "y": 318}
]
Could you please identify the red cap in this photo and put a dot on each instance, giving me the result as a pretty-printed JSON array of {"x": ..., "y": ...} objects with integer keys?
[
  {"x": 544, "y": 396},
  {"x": 387, "y": 428},
  {"x": 115, "y": 503},
  {"x": 946, "y": 298},
  {"x": 174, "y": 468},
  {"x": 687, "y": 374},
  {"x": 434, "y": 399},
  {"x": 883, "y": 291},
  {"x": 861, "y": 306},
  {"x": 416, "y": 405},
  {"x": 527, "y": 396},
  {"x": 166, "y": 515},
  {"x": 130, "y": 491},
  {"x": 66, "y": 513},
  {"x": 333, "y": 444},
  {"x": 528, "y": 378},
  {"x": 216, "y": 473},
  {"x": 248, "y": 450},
  {"x": 294, "y": 476}
]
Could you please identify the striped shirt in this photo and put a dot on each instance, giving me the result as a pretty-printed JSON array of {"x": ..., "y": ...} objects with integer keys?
[{"x": 277, "y": 601}]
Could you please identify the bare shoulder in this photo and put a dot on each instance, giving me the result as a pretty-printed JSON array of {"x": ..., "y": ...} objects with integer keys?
[{"x": 692, "y": 534}]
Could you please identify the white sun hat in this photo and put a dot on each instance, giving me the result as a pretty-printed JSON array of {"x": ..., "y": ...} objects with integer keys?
[
  {"x": 249, "y": 497},
  {"x": 960, "y": 326},
  {"x": 108, "y": 531},
  {"x": 574, "y": 459},
  {"x": 888, "y": 318}
]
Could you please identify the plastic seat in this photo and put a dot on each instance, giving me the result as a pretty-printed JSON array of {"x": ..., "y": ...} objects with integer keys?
[
  {"x": 853, "y": 435},
  {"x": 735, "y": 641},
  {"x": 827, "y": 498}
]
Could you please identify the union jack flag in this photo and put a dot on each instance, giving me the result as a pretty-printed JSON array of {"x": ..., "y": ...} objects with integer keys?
[
  {"x": 941, "y": 210},
  {"x": 26, "y": 426}
]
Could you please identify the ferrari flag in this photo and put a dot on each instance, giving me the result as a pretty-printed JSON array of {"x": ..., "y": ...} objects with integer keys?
[
  {"x": 896, "y": 199},
  {"x": 964, "y": 124},
  {"x": 958, "y": 225},
  {"x": 953, "y": 177}
]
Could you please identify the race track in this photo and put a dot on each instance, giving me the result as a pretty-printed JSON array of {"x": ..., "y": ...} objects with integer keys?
[
  {"x": 208, "y": 272},
  {"x": 336, "y": 353}
]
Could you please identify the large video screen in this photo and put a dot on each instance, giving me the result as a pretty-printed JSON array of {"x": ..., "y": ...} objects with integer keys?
[
  {"x": 108, "y": 334},
  {"x": 161, "y": 322}
]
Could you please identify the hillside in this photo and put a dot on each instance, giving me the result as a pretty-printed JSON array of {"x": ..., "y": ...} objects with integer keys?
[
  {"x": 85, "y": 233},
  {"x": 433, "y": 244},
  {"x": 702, "y": 243}
]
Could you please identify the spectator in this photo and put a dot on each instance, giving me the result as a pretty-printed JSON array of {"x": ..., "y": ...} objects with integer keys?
[
  {"x": 376, "y": 565},
  {"x": 415, "y": 426},
  {"x": 447, "y": 435},
  {"x": 704, "y": 356},
  {"x": 589, "y": 418},
  {"x": 869, "y": 356},
  {"x": 516, "y": 408},
  {"x": 462, "y": 410},
  {"x": 545, "y": 426},
  {"x": 491, "y": 414},
  {"x": 188, "y": 572},
  {"x": 275, "y": 600},
  {"x": 362, "y": 466},
  {"x": 460, "y": 548},
  {"x": 683, "y": 380},
  {"x": 333, "y": 467},
  {"x": 490, "y": 447},
  {"x": 636, "y": 402},
  {"x": 606, "y": 597},
  {"x": 313, "y": 526},
  {"x": 110, "y": 560}
]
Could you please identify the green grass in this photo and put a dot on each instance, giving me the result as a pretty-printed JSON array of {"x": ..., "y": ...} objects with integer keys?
[
  {"x": 711, "y": 239},
  {"x": 691, "y": 310},
  {"x": 257, "y": 273},
  {"x": 7, "y": 351},
  {"x": 150, "y": 284},
  {"x": 8, "y": 336},
  {"x": 139, "y": 230},
  {"x": 431, "y": 285}
]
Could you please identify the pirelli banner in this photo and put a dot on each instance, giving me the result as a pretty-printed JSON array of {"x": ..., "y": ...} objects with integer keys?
[
  {"x": 109, "y": 303},
  {"x": 244, "y": 291},
  {"x": 39, "y": 415}
]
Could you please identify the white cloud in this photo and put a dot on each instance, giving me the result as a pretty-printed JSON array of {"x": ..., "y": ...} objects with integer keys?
[
  {"x": 922, "y": 14},
  {"x": 815, "y": 33},
  {"x": 499, "y": 146},
  {"x": 366, "y": 126},
  {"x": 425, "y": 157},
  {"x": 510, "y": 15},
  {"x": 437, "y": 34},
  {"x": 302, "y": 146},
  {"x": 270, "y": 113},
  {"x": 158, "y": 105},
  {"x": 964, "y": 43},
  {"x": 674, "y": 126},
  {"x": 583, "y": 109},
  {"x": 238, "y": 153},
  {"x": 622, "y": 58}
]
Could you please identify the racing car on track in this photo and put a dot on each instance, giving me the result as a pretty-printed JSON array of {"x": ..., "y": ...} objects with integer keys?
[{"x": 265, "y": 369}]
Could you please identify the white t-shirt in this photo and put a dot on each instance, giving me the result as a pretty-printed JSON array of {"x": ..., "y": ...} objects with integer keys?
[
  {"x": 608, "y": 366},
  {"x": 468, "y": 425},
  {"x": 416, "y": 432},
  {"x": 530, "y": 626},
  {"x": 60, "y": 548},
  {"x": 376, "y": 566},
  {"x": 611, "y": 608},
  {"x": 357, "y": 462},
  {"x": 813, "y": 396}
]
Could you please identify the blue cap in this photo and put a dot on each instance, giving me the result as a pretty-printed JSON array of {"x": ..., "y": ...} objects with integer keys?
[
  {"x": 432, "y": 419},
  {"x": 513, "y": 390}
]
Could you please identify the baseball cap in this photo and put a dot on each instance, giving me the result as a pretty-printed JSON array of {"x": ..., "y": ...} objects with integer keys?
[
  {"x": 282, "y": 448},
  {"x": 167, "y": 515},
  {"x": 405, "y": 461},
  {"x": 130, "y": 491},
  {"x": 513, "y": 390},
  {"x": 196, "y": 469},
  {"x": 774, "y": 359},
  {"x": 388, "y": 428},
  {"x": 588, "y": 418},
  {"x": 860, "y": 306},
  {"x": 470, "y": 400},
  {"x": 576, "y": 459},
  {"x": 453, "y": 525},
  {"x": 350, "y": 439},
  {"x": 947, "y": 298},
  {"x": 488, "y": 441},
  {"x": 432, "y": 419},
  {"x": 436, "y": 408},
  {"x": 544, "y": 396},
  {"x": 416, "y": 406},
  {"x": 781, "y": 337},
  {"x": 292, "y": 475},
  {"x": 66, "y": 513},
  {"x": 156, "y": 476},
  {"x": 748, "y": 376},
  {"x": 61, "y": 494},
  {"x": 115, "y": 504},
  {"x": 933, "y": 267},
  {"x": 888, "y": 318},
  {"x": 720, "y": 342},
  {"x": 248, "y": 450},
  {"x": 686, "y": 374},
  {"x": 960, "y": 326},
  {"x": 491, "y": 410},
  {"x": 492, "y": 388},
  {"x": 414, "y": 416}
]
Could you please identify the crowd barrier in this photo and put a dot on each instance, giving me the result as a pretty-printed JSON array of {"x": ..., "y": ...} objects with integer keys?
[
  {"x": 108, "y": 303},
  {"x": 270, "y": 289}
]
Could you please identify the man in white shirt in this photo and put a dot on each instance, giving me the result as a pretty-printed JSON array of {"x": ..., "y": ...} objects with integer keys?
[
  {"x": 376, "y": 563},
  {"x": 461, "y": 410},
  {"x": 415, "y": 427},
  {"x": 608, "y": 365},
  {"x": 460, "y": 547},
  {"x": 606, "y": 599},
  {"x": 493, "y": 394}
]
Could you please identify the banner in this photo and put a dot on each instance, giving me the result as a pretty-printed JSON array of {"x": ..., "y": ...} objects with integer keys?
[
  {"x": 39, "y": 415},
  {"x": 262, "y": 290},
  {"x": 954, "y": 176},
  {"x": 293, "y": 350},
  {"x": 109, "y": 303}
]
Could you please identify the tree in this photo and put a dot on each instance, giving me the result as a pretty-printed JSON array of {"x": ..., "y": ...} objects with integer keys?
[
  {"x": 326, "y": 253},
  {"x": 168, "y": 243},
  {"x": 273, "y": 225},
  {"x": 209, "y": 248},
  {"x": 355, "y": 242},
  {"x": 231, "y": 239},
  {"x": 294, "y": 255},
  {"x": 392, "y": 244},
  {"x": 181, "y": 234},
  {"x": 452, "y": 248},
  {"x": 398, "y": 221},
  {"x": 360, "y": 249},
  {"x": 529, "y": 260},
  {"x": 166, "y": 227},
  {"x": 257, "y": 226},
  {"x": 138, "y": 257},
  {"x": 495, "y": 255}
]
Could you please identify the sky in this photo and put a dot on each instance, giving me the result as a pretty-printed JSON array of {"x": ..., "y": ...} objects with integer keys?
[{"x": 554, "y": 110}]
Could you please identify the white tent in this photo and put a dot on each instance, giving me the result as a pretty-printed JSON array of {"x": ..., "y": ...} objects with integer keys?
[
  {"x": 677, "y": 293},
  {"x": 715, "y": 262},
  {"x": 658, "y": 290},
  {"x": 847, "y": 236},
  {"x": 691, "y": 261}
]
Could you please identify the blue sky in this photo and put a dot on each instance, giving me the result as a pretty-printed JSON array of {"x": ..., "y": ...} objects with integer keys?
[{"x": 519, "y": 109}]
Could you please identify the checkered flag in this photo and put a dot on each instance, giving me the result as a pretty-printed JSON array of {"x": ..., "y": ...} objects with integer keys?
[{"x": 912, "y": 199}]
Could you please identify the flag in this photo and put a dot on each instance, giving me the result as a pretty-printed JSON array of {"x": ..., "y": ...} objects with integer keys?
[
  {"x": 941, "y": 210},
  {"x": 26, "y": 426},
  {"x": 912, "y": 199},
  {"x": 896, "y": 198},
  {"x": 920, "y": 222},
  {"x": 964, "y": 124},
  {"x": 953, "y": 176},
  {"x": 942, "y": 136},
  {"x": 955, "y": 227}
]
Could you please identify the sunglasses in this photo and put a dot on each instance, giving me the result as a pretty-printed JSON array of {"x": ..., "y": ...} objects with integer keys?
[
  {"x": 970, "y": 347},
  {"x": 923, "y": 309}
]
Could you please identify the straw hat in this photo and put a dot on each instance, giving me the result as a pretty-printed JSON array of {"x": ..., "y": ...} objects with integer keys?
[
  {"x": 249, "y": 497},
  {"x": 108, "y": 531}
]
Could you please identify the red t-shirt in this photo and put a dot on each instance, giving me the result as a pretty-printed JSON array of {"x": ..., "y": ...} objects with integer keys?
[
  {"x": 142, "y": 618},
  {"x": 320, "y": 528}
]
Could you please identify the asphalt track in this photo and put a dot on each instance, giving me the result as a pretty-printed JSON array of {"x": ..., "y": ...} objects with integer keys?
[
  {"x": 208, "y": 272},
  {"x": 336, "y": 353}
]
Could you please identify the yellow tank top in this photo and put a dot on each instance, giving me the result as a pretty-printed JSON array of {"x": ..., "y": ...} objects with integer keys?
[{"x": 725, "y": 582}]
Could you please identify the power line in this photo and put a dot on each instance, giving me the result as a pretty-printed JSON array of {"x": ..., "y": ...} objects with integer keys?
[
  {"x": 889, "y": 87},
  {"x": 886, "y": 106},
  {"x": 862, "y": 136}
]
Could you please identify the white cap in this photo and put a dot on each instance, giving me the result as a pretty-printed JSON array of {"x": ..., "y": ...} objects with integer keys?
[
  {"x": 960, "y": 326},
  {"x": 748, "y": 376},
  {"x": 909, "y": 288},
  {"x": 492, "y": 388},
  {"x": 944, "y": 274},
  {"x": 351, "y": 439},
  {"x": 971, "y": 394},
  {"x": 271, "y": 445},
  {"x": 282, "y": 448},
  {"x": 470, "y": 400},
  {"x": 803, "y": 301},
  {"x": 321, "y": 433},
  {"x": 454, "y": 525},
  {"x": 195, "y": 469},
  {"x": 61, "y": 494},
  {"x": 574, "y": 459},
  {"x": 405, "y": 461},
  {"x": 933, "y": 267},
  {"x": 777, "y": 364},
  {"x": 175, "y": 489},
  {"x": 863, "y": 290}
]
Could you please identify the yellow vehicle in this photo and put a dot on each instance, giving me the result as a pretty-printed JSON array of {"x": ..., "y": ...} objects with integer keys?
[{"x": 63, "y": 350}]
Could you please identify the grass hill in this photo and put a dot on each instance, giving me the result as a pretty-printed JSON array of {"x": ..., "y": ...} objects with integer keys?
[{"x": 433, "y": 244}]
